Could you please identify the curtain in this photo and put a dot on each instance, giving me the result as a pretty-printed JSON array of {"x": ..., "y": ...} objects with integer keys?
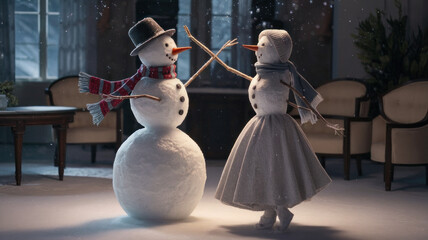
[
  {"x": 77, "y": 40},
  {"x": 7, "y": 40}
]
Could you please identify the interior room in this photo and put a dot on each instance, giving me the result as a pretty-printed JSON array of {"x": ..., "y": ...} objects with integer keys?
[{"x": 285, "y": 119}]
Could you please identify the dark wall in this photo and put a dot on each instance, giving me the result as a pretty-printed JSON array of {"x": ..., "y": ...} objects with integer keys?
[
  {"x": 163, "y": 12},
  {"x": 310, "y": 26},
  {"x": 215, "y": 120}
]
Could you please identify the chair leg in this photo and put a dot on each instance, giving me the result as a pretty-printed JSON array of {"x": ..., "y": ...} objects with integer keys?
[
  {"x": 56, "y": 160},
  {"x": 388, "y": 159},
  {"x": 426, "y": 174},
  {"x": 322, "y": 161},
  {"x": 93, "y": 152},
  {"x": 389, "y": 171},
  {"x": 359, "y": 168},
  {"x": 384, "y": 173},
  {"x": 347, "y": 166},
  {"x": 392, "y": 174},
  {"x": 347, "y": 148}
]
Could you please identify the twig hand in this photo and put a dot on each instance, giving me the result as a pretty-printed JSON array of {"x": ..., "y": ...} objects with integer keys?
[
  {"x": 227, "y": 44},
  {"x": 207, "y": 50}
]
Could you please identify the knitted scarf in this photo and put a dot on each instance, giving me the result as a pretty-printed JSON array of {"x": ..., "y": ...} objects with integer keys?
[
  {"x": 95, "y": 85},
  {"x": 299, "y": 83}
]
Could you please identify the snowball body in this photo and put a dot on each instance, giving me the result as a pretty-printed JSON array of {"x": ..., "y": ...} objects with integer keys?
[
  {"x": 159, "y": 174},
  {"x": 170, "y": 111}
]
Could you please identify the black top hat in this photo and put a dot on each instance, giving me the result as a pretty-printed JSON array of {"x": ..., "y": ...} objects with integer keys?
[{"x": 144, "y": 31}]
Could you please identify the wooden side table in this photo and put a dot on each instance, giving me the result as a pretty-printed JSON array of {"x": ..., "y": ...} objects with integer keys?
[{"x": 19, "y": 117}]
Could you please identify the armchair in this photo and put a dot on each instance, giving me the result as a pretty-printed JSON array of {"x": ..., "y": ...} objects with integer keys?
[
  {"x": 400, "y": 132},
  {"x": 65, "y": 92},
  {"x": 346, "y": 103}
]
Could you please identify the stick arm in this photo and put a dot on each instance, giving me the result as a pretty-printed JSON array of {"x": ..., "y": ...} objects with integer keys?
[
  {"x": 295, "y": 106},
  {"x": 227, "y": 44},
  {"x": 207, "y": 50},
  {"x": 111, "y": 97}
]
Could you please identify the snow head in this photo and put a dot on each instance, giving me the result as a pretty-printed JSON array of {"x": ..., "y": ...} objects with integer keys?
[
  {"x": 274, "y": 46},
  {"x": 153, "y": 45},
  {"x": 161, "y": 52}
]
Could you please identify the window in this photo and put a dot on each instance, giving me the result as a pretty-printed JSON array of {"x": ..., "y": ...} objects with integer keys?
[
  {"x": 221, "y": 32},
  {"x": 215, "y": 26},
  {"x": 183, "y": 63},
  {"x": 36, "y": 39}
]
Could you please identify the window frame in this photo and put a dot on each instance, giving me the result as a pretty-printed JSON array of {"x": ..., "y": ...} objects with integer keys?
[
  {"x": 232, "y": 31},
  {"x": 181, "y": 15},
  {"x": 201, "y": 15},
  {"x": 43, "y": 28}
]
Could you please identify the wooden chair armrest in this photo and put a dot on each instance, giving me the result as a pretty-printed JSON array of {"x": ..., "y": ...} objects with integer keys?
[{"x": 358, "y": 102}]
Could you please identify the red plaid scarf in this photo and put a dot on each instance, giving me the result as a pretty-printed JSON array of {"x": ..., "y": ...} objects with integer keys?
[{"x": 95, "y": 85}]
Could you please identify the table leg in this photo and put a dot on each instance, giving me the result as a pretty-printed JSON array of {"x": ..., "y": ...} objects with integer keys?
[
  {"x": 18, "y": 133},
  {"x": 61, "y": 131}
]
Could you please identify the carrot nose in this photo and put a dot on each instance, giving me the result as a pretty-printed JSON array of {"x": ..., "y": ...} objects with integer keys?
[
  {"x": 251, "y": 47},
  {"x": 178, "y": 50}
]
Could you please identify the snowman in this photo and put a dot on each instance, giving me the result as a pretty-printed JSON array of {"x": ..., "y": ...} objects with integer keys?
[
  {"x": 271, "y": 166},
  {"x": 159, "y": 172}
]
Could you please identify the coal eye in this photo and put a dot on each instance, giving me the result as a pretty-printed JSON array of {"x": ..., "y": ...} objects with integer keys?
[
  {"x": 263, "y": 44},
  {"x": 166, "y": 44}
]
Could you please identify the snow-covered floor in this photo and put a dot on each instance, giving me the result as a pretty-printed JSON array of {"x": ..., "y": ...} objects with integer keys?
[{"x": 83, "y": 206}]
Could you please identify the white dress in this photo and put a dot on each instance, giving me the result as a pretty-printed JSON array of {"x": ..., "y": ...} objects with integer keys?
[{"x": 271, "y": 163}]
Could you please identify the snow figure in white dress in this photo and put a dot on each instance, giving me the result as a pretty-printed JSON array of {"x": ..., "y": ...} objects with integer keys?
[
  {"x": 159, "y": 171},
  {"x": 272, "y": 167}
]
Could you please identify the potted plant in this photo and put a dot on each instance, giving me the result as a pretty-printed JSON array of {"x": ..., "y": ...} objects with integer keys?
[
  {"x": 388, "y": 53},
  {"x": 6, "y": 94}
]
